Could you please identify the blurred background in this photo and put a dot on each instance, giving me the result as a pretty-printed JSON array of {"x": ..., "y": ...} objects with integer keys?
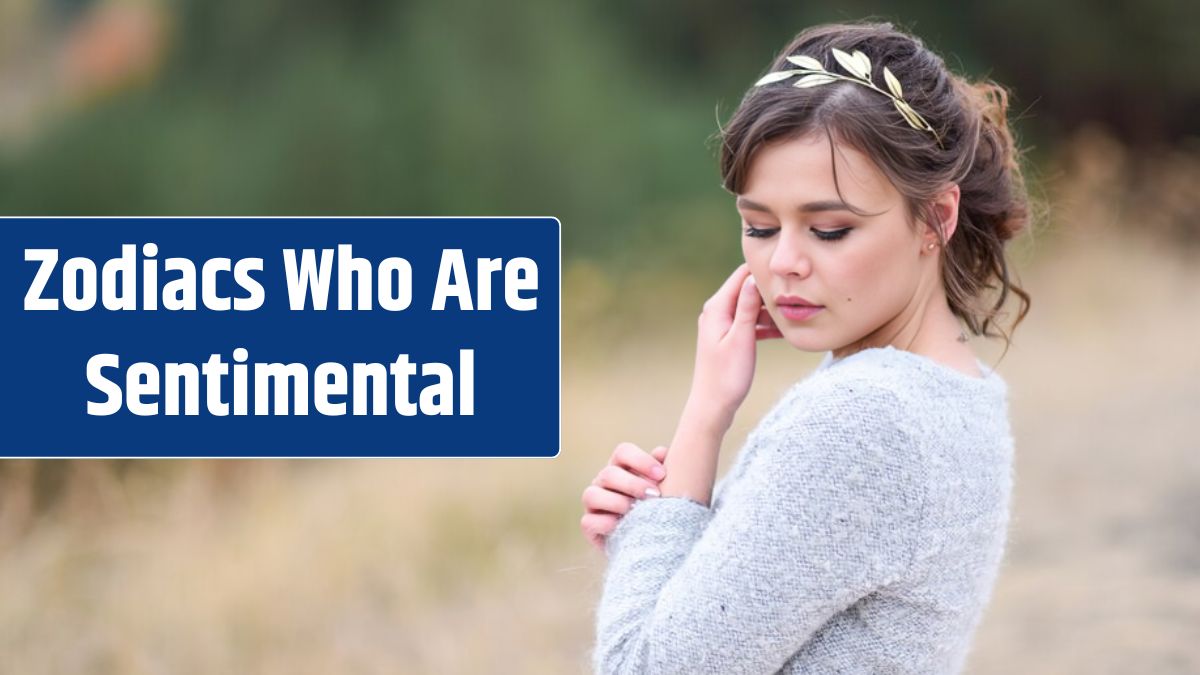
[{"x": 600, "y": 114}]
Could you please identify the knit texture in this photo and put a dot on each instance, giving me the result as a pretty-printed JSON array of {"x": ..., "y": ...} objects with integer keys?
[{"x": 860, "y": 530}]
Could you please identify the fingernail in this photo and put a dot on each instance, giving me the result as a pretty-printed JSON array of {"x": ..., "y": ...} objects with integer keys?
[{"x": 652, "y": 492}]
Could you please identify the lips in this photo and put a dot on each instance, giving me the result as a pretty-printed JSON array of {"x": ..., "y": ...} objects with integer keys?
[
  {"x": 799, "y": 312},
  {"x": 796, "y": 308},
  {"x": 794, "y": 301}
]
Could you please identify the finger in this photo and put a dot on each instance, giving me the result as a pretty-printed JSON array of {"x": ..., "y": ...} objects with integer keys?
[
  {"x": 766, "y": 333},
  {"x": 597, "y": 526},
  {"x": 598, "y": 523},
  {"x": 764, "y": 317},
  {"x": 599, "y": 542},
  {"x": 766, "y": 328},
  {"x": 622, "y": 447},
  {"x": 659, "y": 453},
  {"x": 724, "y": 301},
  {"x": 749, "y": 304},
  {"x": 617, "y": 479},
  {"x": 596, "y": 498},
  {"x": 632, "y": 457}
]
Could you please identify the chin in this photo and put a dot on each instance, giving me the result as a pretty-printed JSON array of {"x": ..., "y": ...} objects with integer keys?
[{"x": 806, "y": 340}]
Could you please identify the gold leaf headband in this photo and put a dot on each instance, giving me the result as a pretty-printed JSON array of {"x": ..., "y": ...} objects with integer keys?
[{"x": 860, "y": 67}]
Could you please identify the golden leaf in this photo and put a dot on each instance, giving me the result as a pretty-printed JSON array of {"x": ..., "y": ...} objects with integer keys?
[
  {"x": 908, "y": 114},
  {"x": 859, "y": 66},
  {"x": 892, "y": 83},
  {"x": 776, "y": 76},
  {"x": 850, "y": 63},
  {"x": 813, "y": 80},
  {"x": 864, "y": 61},
  {"x": 806, "y": 62}
]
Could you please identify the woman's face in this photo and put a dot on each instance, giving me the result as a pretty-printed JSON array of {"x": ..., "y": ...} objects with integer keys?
[{"x": 868, "y": 274}]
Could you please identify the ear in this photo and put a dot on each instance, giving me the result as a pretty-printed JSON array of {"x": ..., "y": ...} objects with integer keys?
[{"x": 945, "y": 205}]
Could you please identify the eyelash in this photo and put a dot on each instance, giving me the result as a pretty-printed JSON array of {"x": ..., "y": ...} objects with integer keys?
[{"x": 831, "y": 235}]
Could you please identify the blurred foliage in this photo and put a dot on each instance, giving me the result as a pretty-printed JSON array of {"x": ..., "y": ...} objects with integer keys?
[{"x": 307, "y": 108}]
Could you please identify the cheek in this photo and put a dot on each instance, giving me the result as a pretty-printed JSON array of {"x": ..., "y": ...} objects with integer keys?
[
  {"x": 849, "y": 275},
  {"x": 863, "y": 276},
  {"x": 758, "y": 256}
]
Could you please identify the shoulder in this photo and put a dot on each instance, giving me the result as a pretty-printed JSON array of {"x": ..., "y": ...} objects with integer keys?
[
  {"x": 853, "y": 419},
  {"x": 843, "y": 460},
  {"x": 862, "y": 393}
]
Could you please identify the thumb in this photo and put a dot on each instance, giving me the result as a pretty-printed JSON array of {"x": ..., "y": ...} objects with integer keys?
[{"x": 748, "y": 305}]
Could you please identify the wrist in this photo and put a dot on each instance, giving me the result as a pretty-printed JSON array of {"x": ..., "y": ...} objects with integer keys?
[{"x": 704, "y": 416}]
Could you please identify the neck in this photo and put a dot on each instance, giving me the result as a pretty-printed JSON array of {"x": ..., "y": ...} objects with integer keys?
[{"x": 926, "y": 326}]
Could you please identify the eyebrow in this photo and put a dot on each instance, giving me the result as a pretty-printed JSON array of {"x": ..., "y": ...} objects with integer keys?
[{"x": 811, "y": 207}]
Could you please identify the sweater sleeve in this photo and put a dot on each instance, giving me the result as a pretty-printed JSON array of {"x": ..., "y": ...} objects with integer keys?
[{"x": 828, "y": 510}]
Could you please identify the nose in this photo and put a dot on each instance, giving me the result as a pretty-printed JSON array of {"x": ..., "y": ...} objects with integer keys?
[{"x": 789, "y": 258}]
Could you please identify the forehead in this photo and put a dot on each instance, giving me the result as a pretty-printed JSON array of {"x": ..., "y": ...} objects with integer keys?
[{"x": 801, "y": 170}]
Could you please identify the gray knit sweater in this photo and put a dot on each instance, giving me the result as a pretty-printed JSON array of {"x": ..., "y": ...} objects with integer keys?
[{"x": 860, "y": 530}]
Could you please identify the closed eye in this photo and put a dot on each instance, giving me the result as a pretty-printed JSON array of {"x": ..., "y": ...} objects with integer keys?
[{"x": 823, "y": 235}]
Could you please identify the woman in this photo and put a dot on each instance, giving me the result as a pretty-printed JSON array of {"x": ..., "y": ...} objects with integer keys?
[{"x": 863, "y": 524}]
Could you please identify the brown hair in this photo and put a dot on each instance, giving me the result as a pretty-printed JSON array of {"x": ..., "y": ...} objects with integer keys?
[{"x": 970, "y": 118}]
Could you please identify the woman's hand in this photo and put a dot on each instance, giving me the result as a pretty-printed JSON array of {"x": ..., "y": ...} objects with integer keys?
[
  {"x": 730, "y": 325},
  {"x": 631, "y": 474}
]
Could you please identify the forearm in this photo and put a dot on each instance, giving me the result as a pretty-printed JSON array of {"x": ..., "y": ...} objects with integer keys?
[
  {"x": 644, "y": 552},
  {"x": 691, "y": 461}
]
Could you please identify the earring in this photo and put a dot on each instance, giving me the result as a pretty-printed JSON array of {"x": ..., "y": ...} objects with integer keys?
[{"x": 931, "y": 246}]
